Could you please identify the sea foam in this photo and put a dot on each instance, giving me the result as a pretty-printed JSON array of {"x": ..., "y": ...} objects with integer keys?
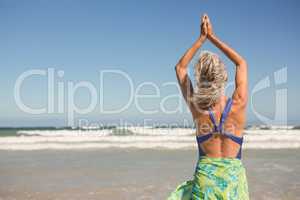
[{"x": 140, "y": 137}]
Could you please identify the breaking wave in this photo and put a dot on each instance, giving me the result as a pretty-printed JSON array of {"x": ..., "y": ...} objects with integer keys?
[{"x": 141, "y": 137}]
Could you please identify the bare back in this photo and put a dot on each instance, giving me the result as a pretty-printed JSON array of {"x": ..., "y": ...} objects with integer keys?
[{"x": 219, "y": 145}]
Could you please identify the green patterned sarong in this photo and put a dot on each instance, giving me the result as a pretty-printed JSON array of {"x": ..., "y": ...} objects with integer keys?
[{"x": 215, "y": 179}]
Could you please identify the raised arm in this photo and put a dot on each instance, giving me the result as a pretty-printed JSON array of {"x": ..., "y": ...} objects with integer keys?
[
  {"x": 181, "y": 67},
  {"x": 240, "y": 94}
]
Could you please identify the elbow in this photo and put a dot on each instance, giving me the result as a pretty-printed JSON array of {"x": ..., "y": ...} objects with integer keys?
[
  {"x": 242, "y": 63},
  {"x": 181, "y": 72},
  {"x": 242, "y": 99},
  {"x": 180, "y": 69}
]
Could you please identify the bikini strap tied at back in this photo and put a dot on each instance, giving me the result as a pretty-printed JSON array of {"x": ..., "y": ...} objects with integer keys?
[{"x": 219, "y": 128}]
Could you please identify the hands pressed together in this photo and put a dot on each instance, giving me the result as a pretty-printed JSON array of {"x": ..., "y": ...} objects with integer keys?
[{"x": 206, "y": 27}]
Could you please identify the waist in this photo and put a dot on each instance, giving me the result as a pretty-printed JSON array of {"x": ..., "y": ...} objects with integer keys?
[{"x": 222, "y": 162}]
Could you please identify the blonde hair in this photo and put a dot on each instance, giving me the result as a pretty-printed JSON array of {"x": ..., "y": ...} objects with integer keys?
[{"x": 211, "y": 78}]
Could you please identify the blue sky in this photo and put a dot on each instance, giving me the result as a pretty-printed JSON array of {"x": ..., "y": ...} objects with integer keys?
[{"x": 144, "y": 39}]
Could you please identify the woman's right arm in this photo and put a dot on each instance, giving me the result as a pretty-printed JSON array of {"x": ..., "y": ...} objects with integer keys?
[{"x": 240, "y": 94}]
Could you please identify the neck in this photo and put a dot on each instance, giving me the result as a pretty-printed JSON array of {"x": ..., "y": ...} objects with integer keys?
[{"x": 221, "y": 102}]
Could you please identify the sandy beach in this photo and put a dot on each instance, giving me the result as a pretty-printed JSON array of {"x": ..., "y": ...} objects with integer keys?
[{"x": 133, "y": 173}]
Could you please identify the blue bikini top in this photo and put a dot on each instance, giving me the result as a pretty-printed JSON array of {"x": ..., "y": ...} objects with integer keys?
[{"x": 218, "y": 129}]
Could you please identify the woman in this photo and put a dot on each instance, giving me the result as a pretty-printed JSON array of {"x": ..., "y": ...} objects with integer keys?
[{"x": 219, "y": 122}]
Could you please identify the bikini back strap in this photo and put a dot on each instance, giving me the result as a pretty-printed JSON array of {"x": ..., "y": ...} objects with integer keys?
[
  {"x": 225, "y": 114},
  {"x": 219, "y": 129},
  {"x": 236, "y": 139},
  {"x": 213, "y": 120},
  {"x": 203, "y": 138}
]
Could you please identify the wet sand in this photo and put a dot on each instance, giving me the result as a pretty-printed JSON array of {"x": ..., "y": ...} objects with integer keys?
[{"x": 134, "y": 173}]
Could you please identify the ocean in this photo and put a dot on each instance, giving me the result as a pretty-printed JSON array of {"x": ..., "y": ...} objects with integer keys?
[{"x": 256, "y": 137}]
